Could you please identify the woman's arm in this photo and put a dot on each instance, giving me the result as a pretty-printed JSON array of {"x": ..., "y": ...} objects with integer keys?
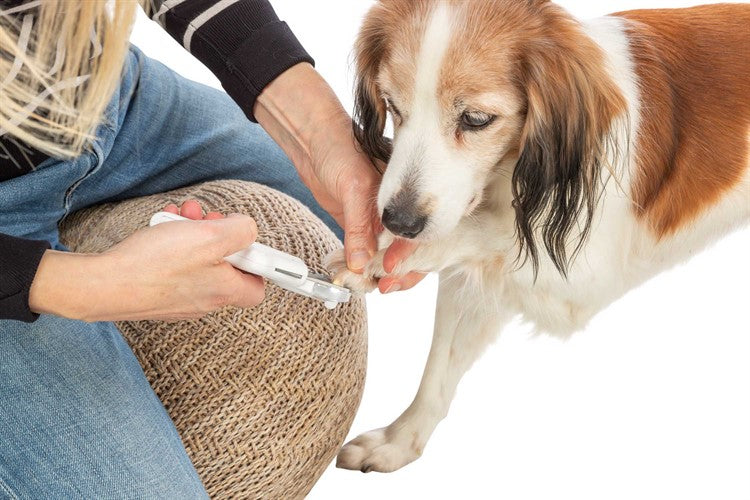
[
  {"x": 249, "y": 49},
  {"x": 265, "y": 69},
  {"x": 304, "y": 116},
  {"x": 19, "y": 259},
  {"x": 171, "y": 271},
  {"x": 243, "y": 42}
]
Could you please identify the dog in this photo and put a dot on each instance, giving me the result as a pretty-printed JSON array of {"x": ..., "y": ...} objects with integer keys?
[{"x": 544, "y": 165}]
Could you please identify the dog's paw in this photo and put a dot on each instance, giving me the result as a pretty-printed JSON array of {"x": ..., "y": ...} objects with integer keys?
[
  {"x": 374, "y": 451},
  {"x": 335, "y": 262}
]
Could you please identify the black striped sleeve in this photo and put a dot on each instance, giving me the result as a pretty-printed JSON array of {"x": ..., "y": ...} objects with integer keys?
[
  {"x": 242, "y": 42},
  {"x": 19, "y": 261}
]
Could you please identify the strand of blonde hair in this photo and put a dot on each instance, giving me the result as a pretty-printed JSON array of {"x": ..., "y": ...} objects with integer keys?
[{"x": 64, "y": 73}]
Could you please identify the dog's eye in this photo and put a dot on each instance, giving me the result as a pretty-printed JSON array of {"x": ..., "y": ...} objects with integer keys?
[
  {"x": 476, "y": 120},
  {"x": 393, "y": 109},
  {"x": 395, "y": 112}
]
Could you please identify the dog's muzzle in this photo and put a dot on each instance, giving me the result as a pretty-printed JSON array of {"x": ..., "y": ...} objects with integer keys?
[{"x": 403, "y": 223}]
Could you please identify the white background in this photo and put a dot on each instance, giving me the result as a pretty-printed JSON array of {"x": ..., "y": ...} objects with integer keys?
[{"x": 651, "y": 401}]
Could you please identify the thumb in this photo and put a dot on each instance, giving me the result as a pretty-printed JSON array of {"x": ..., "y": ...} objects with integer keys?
[
  {"x": 234, "y": 233},
  {"x": 359, "y": 236}
]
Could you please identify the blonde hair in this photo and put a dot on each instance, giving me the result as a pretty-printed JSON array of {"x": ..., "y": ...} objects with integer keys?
[{"x": 60, "y": 62}]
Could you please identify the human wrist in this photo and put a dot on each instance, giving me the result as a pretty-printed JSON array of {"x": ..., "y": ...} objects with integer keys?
[
  {"x": 69, "y": 285},
  {"x": 299, "y": 108}
]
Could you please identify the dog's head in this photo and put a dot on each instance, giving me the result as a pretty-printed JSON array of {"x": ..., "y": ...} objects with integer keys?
[{"x": 473, "y": 86}]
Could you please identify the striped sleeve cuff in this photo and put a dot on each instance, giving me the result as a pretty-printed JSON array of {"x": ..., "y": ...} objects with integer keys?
[
  {"x": 242, "y": 42},
  {"x": 19, "y": 261}
]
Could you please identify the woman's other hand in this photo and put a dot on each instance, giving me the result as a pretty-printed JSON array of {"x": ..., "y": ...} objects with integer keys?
[
  {"x": 303, "y": 115},
  {"x": 394, "y": 255}
]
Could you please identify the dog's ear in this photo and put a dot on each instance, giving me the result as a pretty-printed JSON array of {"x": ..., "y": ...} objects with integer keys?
[
  {"x": 370, "y": 112},
  {"x": 571, "y": 105}
]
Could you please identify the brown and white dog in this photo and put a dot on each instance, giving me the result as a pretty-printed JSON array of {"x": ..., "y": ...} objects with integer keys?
[{"x": 546, "y": 165}]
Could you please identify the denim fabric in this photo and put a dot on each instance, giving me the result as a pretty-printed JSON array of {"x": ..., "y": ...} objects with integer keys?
[{"x": 78, "y": 418}]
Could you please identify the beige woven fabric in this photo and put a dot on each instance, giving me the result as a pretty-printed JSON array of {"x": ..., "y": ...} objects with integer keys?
[{"x": 263, "y": 398}]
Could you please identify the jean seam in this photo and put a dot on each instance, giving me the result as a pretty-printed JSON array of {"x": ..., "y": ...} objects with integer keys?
[
  {"x": 4, "y": 488},
  {"x": 98, "y": 154}
]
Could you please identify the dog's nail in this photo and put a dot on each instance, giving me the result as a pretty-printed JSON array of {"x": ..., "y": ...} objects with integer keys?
[
  {"x": 366, "y": 468},
  {"x": 395, "y": 287},
  {"x": 358, "y": 260}
]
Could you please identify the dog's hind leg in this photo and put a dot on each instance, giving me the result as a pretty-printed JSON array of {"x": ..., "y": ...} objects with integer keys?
[{"x": 468, "y": 318}]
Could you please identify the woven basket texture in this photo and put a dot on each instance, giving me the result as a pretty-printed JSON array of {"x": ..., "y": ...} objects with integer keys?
[{"x": 263, "y": 398}]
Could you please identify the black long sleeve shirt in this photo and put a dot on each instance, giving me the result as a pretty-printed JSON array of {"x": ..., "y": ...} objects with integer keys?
[{"x": 242, "y": 42}]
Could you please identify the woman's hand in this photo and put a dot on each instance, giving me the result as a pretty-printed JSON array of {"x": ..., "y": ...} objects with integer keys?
[
  {"x": 170, "y": 271},
  {"x": 304, "y": 116},
  {"x": 396, "y": 253}
]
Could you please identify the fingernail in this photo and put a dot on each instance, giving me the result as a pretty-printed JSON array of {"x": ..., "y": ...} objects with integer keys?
[
  {"x": 358, "y": 260},
  {"x": 395, "y": 287}
]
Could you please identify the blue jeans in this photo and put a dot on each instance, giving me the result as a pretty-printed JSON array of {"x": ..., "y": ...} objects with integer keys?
[{"x": 78, "y": 418}]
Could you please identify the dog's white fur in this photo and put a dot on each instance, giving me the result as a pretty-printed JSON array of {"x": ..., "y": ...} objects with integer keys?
[{"x": 481, "y": 288}]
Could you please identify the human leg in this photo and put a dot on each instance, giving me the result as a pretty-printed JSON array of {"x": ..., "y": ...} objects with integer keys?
[
  {"x": 168, "y": 132},
  {"x": 78, "y": 418}
]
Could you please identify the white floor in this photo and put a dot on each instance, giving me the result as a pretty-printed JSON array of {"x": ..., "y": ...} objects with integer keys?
[{"x": 652, "y": 401}]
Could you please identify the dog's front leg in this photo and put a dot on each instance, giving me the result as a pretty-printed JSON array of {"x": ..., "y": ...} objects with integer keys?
[
  {"x": 467, "y": 320},
  {"x": 427, "y": 257},
  {"x": 367, "y": 280}
]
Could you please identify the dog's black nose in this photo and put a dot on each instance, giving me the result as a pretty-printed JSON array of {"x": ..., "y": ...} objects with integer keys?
[{"x": 404, "y": 224}]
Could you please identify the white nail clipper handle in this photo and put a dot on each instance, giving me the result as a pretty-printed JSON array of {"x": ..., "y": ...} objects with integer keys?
[{"x": 281, "y": 268}]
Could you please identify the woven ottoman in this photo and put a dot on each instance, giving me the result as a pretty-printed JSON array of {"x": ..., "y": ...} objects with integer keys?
[{"x": 263, "y": 398}]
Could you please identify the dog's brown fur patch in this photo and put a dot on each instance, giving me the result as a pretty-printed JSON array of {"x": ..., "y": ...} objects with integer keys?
[{"x": 692, "y": 145}]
